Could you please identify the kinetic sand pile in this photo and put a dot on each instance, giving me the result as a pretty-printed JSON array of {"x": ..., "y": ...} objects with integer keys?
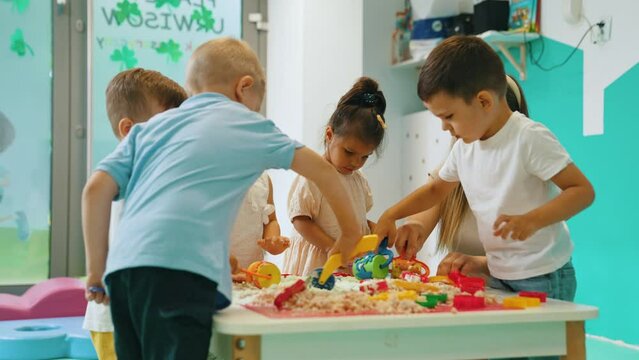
[{"x": 397, "y": 297}]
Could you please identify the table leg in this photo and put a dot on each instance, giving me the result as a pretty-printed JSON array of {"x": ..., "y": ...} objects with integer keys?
[
  {"x": 575, "y": 341},
  {"x": 246, "y": 347}
]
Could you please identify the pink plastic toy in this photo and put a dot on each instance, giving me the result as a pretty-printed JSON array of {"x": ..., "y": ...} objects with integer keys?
[{"x": 58, "y": 297}]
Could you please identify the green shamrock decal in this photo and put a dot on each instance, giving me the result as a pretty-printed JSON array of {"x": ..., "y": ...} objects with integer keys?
[
  {"x": 19, "y": 5},
  {"x": 204, "y": 18},
  {"x": 126, "y": 56},
  {"x": 171, "y": 49},
  {"x": 174, "y": 3},
  {"x": 18, "y": 45},
  {"x": 124, "y": 10}
]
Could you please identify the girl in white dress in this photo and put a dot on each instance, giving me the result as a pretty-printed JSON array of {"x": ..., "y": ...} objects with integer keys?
[
  {"x": 256, "y": 228},
  {"x": 353, "y": 133}
]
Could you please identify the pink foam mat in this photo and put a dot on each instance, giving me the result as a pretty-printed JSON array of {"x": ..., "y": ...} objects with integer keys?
[{"x": 57, "y": 297}]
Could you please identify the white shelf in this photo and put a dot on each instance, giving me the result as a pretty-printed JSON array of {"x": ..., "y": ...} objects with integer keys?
[{"x": 500, "y": 41}]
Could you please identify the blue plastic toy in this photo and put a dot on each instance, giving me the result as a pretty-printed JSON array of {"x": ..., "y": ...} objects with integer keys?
[
  {"x": 374, "y": 265},
  {"x": 328, "y": 285}
]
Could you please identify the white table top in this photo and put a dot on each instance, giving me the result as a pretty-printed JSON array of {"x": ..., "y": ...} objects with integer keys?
[{"x": 237, "y": 320}]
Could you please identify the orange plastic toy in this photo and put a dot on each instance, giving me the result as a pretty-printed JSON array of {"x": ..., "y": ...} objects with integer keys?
[{"x": 262, "y": 274}]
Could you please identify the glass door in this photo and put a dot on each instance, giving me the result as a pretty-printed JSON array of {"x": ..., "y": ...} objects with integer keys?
[
  {"x": 26, "y": 83},
  {"x": 152, "y": 34}
]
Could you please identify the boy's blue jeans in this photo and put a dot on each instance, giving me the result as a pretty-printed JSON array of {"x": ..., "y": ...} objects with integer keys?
[{"x": 560, "y": 284}]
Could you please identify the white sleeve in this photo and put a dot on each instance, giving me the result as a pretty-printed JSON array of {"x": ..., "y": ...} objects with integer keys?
[
  {"x": 544, "y": 156},
  {"x": 448, "y": 171}
]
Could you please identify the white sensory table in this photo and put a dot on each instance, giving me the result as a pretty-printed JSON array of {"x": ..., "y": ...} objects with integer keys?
[{"x": 555, "y": 328}]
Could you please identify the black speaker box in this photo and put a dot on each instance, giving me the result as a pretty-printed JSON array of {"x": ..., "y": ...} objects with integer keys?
[{"x": 491, "y": 15}]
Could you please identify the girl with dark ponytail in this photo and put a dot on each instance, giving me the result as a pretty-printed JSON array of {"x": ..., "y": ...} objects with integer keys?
[{"x": 353, "y": 133}]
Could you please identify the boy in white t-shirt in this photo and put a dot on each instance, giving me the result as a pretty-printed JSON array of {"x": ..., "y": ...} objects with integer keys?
[
  {"x": 132, "y": 97},
  {"x": 510, "y": 167}
]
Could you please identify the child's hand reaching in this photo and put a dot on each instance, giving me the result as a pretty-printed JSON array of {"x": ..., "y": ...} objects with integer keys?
[
  {"x": 274, "y": 245},
  {"x": 385, "y": 228},
  {"x": 517, "y": 227},
  {"x": 239, "y": 277},
  {"x": 95, "y": 290}
]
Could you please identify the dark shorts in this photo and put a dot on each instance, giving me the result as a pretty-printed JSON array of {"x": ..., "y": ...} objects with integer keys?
[{"x": 161, "y": 313}]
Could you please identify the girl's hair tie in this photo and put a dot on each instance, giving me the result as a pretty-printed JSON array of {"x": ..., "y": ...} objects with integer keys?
[{"x": 369, "y": 99}]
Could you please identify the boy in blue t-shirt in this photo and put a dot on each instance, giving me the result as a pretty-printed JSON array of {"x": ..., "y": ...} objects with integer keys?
[
  {"x": 132, "y": 97},
  {"x": 183, "y": 175}
]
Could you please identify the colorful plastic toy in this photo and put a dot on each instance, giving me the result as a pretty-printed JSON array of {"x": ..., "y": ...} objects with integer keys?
[
  {"x": 442, "y": 298},
  {"x": 472, "y": 284},
  {"x": 371, "y": 289},
  {"x": 429, "y": 303},
  {"x": 441, "y": 278},
  {"x": 329, "y": 284},
  {"x": 57, "y": 297},
  {"x": 367, "y": 243},
  {"x": 402, "y": 268},
  {"x": 417, "y": 286},
  {"x": 432, "y": 300},
  {"x": 374, "y": 265},
  {"x": 381, "y": 296},
  {"x": 468, "y": 302},
  {"x": 520, "y": 302},
  {"x": 467, "y": 284},
  {"x": 299, "y": 286},
  {"x": 407, "y": 295},
  {"x": 535, "y": 294},
  {"x": 262, "y": 274}
]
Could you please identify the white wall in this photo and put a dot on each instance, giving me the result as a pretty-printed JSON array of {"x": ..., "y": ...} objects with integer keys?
[
  {"x": 603, "y": 63},
  {"x": 400, "y": 89},
  {"x": 314, "y": 56}
]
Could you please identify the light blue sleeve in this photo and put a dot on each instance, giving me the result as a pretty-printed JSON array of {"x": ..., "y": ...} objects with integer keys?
[
  {"x": 277, "y": 148},
  {"x": 119, "y": 164}
]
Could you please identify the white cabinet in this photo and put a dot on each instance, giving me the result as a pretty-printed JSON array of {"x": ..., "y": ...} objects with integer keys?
[{"x": 424, "y": 147}]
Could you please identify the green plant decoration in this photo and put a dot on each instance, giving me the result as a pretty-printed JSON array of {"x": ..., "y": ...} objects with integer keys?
[
  {"x": 125, "y": 9},
  {"x": 18, "y": 45},
  {"x": 125, "y": 56},
  {"x": 171, "y": 49},
  {"x": 204, "y": 18},
  {"x": 173, "y": 3}
]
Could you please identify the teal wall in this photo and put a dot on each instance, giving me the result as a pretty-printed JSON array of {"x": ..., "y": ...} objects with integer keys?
[{"x": 605, "y": 236}]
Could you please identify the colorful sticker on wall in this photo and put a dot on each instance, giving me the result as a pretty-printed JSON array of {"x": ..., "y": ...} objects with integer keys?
[
  {"x": 19, "y": 5},
  {"x": 173, "y": 3},
  {"x": 125, "y": 56},
  {"x": 18, "y": 45},
  {"x": 204, "y": 18},
  {"x": 124, "y": 10},
  {"x": 171, "y": 49}
]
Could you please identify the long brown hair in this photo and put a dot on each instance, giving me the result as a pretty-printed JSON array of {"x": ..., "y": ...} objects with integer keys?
[{"x": 453, "y": 209}]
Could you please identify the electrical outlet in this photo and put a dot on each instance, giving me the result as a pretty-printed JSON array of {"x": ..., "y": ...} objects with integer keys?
[{"x": 602, "y": 30}]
